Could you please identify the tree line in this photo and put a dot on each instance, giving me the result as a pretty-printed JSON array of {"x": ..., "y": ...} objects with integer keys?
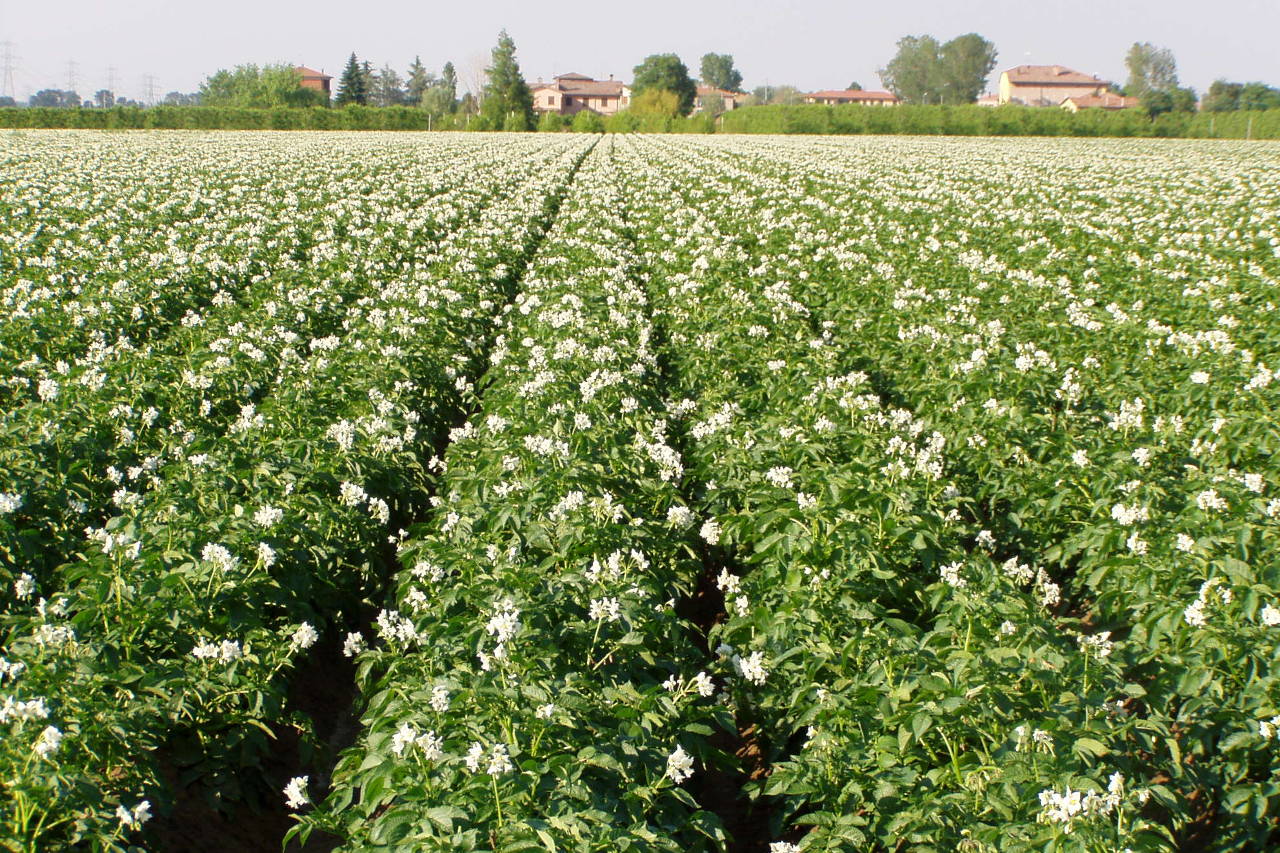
[{"x": 923, "y": 70}]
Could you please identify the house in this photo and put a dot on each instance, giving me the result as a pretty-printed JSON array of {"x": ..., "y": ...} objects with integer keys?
[
  {"x": 853, "y": 96},
  {"x": 1046, "y": 85},
  {"x": 313, "y": 79},
  {"x": 988, "y": 100},
  {"x": 569, "y": 94},
  {"x": 728, "y": 100},
  {"x": 1105, "y": 101}
]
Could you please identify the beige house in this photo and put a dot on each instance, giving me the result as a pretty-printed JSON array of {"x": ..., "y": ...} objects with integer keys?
[
  {"x": 1046, "y": 85},
  {"x": 853, "y": 96},
  {"x": 1105, "y": 101},
  {"x": 570, "y": 94},
  {"x": 729, "y": 100}
]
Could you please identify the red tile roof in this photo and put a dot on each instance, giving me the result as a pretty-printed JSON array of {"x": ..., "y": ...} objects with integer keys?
[
  {"x": 853, "y": 95},
  {"x": 1106, "y": 101},
  {"x": 1050, "y": 75},
  {"x": 579, "y": 84},
  {"x": 312, "y": 74}
]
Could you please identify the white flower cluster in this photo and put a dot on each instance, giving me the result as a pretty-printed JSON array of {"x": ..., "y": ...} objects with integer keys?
[
  {"x": 225, "y": 651},
  {"x": 1194, "y": 614},
  {"x": 679, "y": 765},
  {"x": 1070, "y": 806}
]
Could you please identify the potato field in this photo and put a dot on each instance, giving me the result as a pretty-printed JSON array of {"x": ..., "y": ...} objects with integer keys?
[{"x": 516, "y": 492}]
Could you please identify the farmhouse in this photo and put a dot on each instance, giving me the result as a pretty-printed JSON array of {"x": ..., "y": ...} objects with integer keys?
[
  {"x": 313, "y": 79},
  {"x": 728, "y": 100},
  {"x": 1105, "y": 101},
  {"x": 1046, "y": 85},
  {"x": 569, "y": 94},
  {"x": 853, "y": 96}
]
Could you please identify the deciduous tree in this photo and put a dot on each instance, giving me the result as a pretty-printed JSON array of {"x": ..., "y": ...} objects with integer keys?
[
  {"x": 665, "y": 72},
  {"x": 717, "y": 71}
]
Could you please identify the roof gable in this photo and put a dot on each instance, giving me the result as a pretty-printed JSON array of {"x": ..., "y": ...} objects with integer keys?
[{"x": 1050, "y": 75}]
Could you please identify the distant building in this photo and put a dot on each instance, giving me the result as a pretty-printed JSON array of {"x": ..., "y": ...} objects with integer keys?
[
  {"x": 313, "y": 79},
  {"x": 853, "y": 96},
  {"x": 569, "y": 94},
  {"x": 1046, "y": 85},
  {"x": 1105, "y": 101},
  {"x": 988, "y": 100},
  {"x": 729, "y": 100}
]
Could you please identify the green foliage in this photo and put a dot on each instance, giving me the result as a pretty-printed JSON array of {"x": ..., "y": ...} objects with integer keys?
[
  {"x": 417, "y": 83},
  {"x": 353, "y": 88},
  {"x": 718, "y": 72},
  {"x": 1151, "y": 69},
  {"x": 1224, "y": 96},
  {"x": 926, "y": 72},
  {"x": 665, "y": 72},
  {"x": 551, "y": 123},
  {"x": 248, "y": 86},
  {"x": 586, "y": 121},
  {"x": 656, "y": 102},
  {"x": 507, "y": 102}
]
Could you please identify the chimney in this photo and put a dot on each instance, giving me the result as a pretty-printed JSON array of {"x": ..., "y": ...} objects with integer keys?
[{"x": 610, "y": 76}]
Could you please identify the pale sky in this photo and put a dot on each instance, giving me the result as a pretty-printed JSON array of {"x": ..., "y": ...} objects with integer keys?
[{"x": 813, "y": 44}]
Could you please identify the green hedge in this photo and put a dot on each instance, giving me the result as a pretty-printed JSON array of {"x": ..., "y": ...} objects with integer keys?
[
  {"x": 997, "y": 121},
  {"x": 806, "y": 118},
  {"x": 227, "y": 118}
]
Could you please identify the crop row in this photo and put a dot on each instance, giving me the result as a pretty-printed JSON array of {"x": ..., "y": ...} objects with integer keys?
[{"x": 167, "y": 631}]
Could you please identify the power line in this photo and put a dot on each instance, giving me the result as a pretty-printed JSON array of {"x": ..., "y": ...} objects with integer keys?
[
  {"x": 9, "y": 61},
  {"x": 111, "y": 79},
  {"x": 149, "y": 84},
  {"x": 71, "y": 75}
]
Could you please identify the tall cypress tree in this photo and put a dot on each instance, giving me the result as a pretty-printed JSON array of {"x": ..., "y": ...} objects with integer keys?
[
  {"x": 352, "y": 88},
  {"x": 418, "y": 83},
  {"x": 449, "y": 80},
  {"x": 508, "y": 103}
]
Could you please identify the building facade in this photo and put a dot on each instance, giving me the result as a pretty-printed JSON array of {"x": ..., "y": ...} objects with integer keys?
[
  {"x": 728, "y": 100},
  {"x": 1046, "y": 85},
  {"x": 313, "y": 79},
  {"x": 853, "y": 96},
  {"x": 1105, "y": 101},
  {"x": 570, "y": 94}
]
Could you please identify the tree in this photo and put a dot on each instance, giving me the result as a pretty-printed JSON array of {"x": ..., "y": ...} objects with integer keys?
[
  {"x": 183, "y": 99},
  {"x": 6, "y": 101},
  {"x": 718, "y": 72},
  {"x": 436, "y": 100},
  {"x": 55, "y": 98},
  {"x": 449, "y": 82},
  {"x": 659, "y": 102},
  {"x": 1151, "y": 69},
  {"x": 250, "y": 86},
  {"x": 104, "y": 99},
  {"x": 926, "y": 72},
  {"x": 712, "y": 104},
  {"x": 855, "y": 86},
  {"x": 1259, "y": 96},
  {"x": 777, "y": 95},
  {"x": 966, "y": 62},
  {"x": 388, "y": 88},
  {"x": 351, "y": 86},
  {"x": 506, "y": 95},
  {"x": 551, "y": 123},
  {"x": 914, "y": 73},
  {"x": 419, "y": 81},
  {"x": 1224, "y": 96},
  {"x": 585, "y": 121},
  {"x": 665, "y": 71}
]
